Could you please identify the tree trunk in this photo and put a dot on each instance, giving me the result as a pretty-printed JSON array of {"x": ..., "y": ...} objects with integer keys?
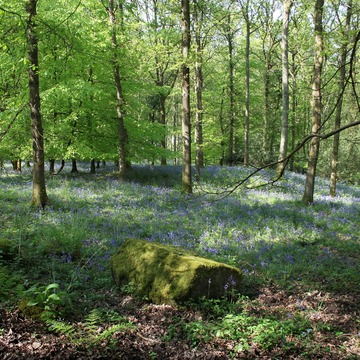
[
  {"x": 92, "y": 166},
  {"x": 199, "y": 161},
  {"x": 308, "y": 196},
  {"x": 230, "y": 39},
  {"x": 162, "y": 104},
  {"x": 74, "y": 168},
  {"x": 293, "y": 110},
  {"x": 52, "y": 167},
  {"x": 285, "y": 88},
  {"x": 39, "y": 195},
  {"x": 120, "y": 101},
  {"x": 175, "y": 125},
  {"x": 61, "y": 167},
  {"x": 336, "y": 141},
  {"x": 247, "y": 92},
  {"x": 266, "y": 148},
  {"x": 222, "y": 129},
  {"x": 186, "y": 125}
]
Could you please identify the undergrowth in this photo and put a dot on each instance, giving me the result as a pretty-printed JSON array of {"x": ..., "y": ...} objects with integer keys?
[{"x": 267, "y": 233}]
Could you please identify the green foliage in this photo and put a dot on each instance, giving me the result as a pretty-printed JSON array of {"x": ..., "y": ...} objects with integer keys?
[
  {"x": 99, "y": 325},
  {"x": 267, "y": 233},
  {"x": 11, "y": 283},
  {"x": 7, "y": 249},
  {"x": 48, "y": 301},
  {"x": 245, "y": 329},
  {"x": 78, "y": 95}
]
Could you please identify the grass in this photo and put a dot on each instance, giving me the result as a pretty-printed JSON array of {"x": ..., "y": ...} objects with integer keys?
[{"x": 267, "y": 232}]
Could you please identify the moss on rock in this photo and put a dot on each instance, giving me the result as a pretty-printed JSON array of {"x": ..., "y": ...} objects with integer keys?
[{"x": 167, "y": 274}]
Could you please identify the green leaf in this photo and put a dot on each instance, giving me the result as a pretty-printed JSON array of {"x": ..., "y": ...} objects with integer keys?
[
  {"x": 54, "y": 297},
  {"x": 52, "y": 286},
  {"x": 32, "y": 303}
]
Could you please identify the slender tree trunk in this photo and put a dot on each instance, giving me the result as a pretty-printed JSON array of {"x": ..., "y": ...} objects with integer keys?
[
  {"x": 92, "y": 166},
  {"x": 247, "y": 92},
  {"x": 336, "y": 141},
  {"x": 162, "y": 104},
  {"x": 285, "y": 88},
  {"x": 293, "y": 110},
  {"x": 229, "y": 35},
  {"x": 222, "y": 129},
  {"x": 308, "y": 196},
  {"x": 61, "y": 167},
  {"x": 120, "y": 101},
  {"x": 39, "y": 195},
  {"x": 160, "y": 83},
  {"x": 186, "y": 125},
  {"x": 266, "y": 150},
  {"x": 52, "y": 167},
  {"x": 199, "y": 161},
  {"x": 175, "y": 125},
  {"x": 14, "y": 164}
]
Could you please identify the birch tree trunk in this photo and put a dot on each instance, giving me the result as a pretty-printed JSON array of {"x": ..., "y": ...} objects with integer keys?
[
  {"x": 39, "y": 195},
  {"x": 186, "y": 125},
  {"x": 308, "y": 196}
]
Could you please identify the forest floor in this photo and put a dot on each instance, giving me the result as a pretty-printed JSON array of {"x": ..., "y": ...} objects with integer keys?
[
  {"x": 301, "y": 265},
  {"x": 24, "y": 338}
]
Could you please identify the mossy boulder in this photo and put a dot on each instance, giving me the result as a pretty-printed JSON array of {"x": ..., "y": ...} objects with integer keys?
[{"x": 168, "y": 275}]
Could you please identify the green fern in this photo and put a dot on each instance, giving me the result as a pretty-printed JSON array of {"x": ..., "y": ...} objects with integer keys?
[
  {"x": 61, "y": 328},
  {"x": 91, "y": 323},
  {"x": 108, "y": 333},
  {"x": 95, "y": 327},
  {"x": 98, "y": 317}
]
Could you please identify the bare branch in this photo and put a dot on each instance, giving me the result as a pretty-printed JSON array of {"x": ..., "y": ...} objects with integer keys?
[{"x": 299, "y": 146}]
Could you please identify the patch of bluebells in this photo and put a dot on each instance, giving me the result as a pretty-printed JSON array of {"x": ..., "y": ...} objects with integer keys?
[{"x": 261, "y": 228}]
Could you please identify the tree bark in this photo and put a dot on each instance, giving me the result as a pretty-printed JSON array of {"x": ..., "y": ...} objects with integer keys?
[
  {"x": 74, "y": 168},
  {"x": 230, "y": 40},
  {"x": 266, "y": 141},
  {"x": 247, "y": 90},
  {"x": 39, "y": 195},
  {"x": 308, "y": 196},
  {"x": 342, "y": 66},
  {"x": 199, "y": 161},
  {"x": 186, "y": 125},
  {"x": 52, "y": 167},
  {"x": 120, "y": 101},
  {"x": 285, "y": 89}
]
